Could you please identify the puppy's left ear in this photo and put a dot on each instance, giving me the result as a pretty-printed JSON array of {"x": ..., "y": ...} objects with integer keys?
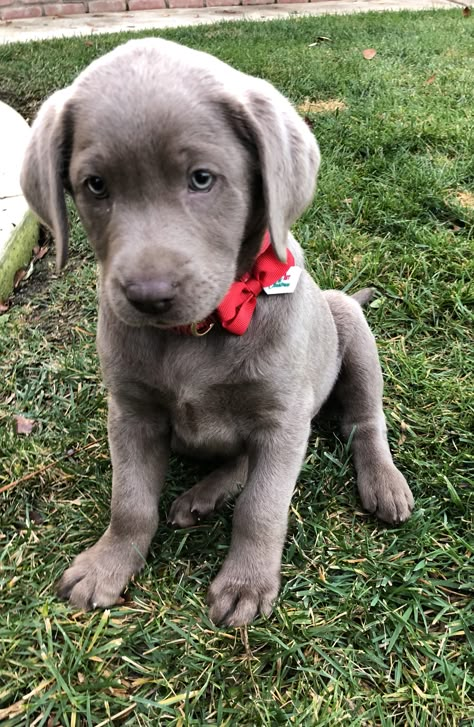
[{"x": 288, "y": 158}]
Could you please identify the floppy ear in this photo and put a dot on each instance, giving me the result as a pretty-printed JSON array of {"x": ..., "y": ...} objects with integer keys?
[
  {"x": 44, "y": 169},
  {"x": 288, "y": 158}
]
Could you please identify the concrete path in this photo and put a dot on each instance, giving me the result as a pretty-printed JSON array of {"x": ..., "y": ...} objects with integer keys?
[
  {"x": 18, "y": 227},
  {"x": 42, "y": 28}
]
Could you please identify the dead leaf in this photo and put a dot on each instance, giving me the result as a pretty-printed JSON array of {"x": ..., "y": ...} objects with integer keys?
[
  {"x": 4, "y": 307},
  {"x": 24, "y": 425},
  {"x": 465, "y": 199},
  {"x": 19, "y": 275},
  {"x": 466, "y": 11},
  {"x": 430, "y": 79},
  {"x": 320, "y": 39},
  {"x": 40, "y": 252},
  {"x": 321, "y": 107},
  {"x": 377, "y": 303},
  {"x": 88, "y": 43},
  {"x": 403, "y": 429},
  {"x": 369, "y": 53}
]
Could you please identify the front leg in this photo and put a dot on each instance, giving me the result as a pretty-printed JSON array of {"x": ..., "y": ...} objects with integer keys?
[
  {"x": 139, "y": 447},
  {"x": 249, "y": 581}
]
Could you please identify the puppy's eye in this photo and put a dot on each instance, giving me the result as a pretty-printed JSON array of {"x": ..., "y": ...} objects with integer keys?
[
  {"x": 201, "y": 180},
  {"x": 97, "y": 187}
]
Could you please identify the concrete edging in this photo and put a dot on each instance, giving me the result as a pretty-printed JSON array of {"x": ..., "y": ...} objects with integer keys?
[{"x": 19, "y": 228}]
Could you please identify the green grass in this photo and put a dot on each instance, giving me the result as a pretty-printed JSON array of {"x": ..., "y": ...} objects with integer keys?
[{"x": 374, "y": 626}]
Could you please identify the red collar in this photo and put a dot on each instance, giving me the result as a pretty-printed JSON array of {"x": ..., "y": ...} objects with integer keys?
[{"x": 235, "y": 311}]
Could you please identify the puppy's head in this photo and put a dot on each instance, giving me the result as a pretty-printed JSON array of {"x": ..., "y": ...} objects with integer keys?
[{"x": 177, "y": 164}]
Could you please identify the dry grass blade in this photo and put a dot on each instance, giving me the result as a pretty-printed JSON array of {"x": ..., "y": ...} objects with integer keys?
[
  {"x": 321, "y": 107},
  {"x": 50, "y": 465}
]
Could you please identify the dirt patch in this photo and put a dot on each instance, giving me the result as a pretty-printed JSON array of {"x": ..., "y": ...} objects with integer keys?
[
  {"x": 465, "y": 199},
  {"x": 322, "y": 107}
]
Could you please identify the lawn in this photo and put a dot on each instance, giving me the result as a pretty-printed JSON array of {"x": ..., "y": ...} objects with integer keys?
[{"x": 374, "y": 626}]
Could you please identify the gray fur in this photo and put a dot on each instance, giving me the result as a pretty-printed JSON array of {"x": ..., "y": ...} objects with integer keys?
[{"x": 144, "y": 117}]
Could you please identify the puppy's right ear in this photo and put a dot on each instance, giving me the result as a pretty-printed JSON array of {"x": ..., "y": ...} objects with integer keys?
[{"x": 44, "y": 169}]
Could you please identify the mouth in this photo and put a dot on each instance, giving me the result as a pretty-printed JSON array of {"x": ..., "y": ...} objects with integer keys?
[
  {"x": 193, "y": 324},
  {"x": 197, "y": 327}
]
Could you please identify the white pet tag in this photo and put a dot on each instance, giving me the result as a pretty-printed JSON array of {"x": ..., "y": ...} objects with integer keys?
[{"x": 287, "y": 282}]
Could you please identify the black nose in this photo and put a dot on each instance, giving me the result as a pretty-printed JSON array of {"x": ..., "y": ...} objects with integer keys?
[{"x": 151, "y": 296}]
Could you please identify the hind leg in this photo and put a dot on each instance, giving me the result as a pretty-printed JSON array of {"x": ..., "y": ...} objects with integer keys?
[
  {"x": 209, "y": 494},
  {"x": 382, "y": 488}
]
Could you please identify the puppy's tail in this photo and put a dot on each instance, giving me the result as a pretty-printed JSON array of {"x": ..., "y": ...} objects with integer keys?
[{"x": 364, "y": 296}]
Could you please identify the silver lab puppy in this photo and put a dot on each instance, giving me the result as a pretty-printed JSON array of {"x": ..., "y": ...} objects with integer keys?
[{"x": 178, "y": 164}]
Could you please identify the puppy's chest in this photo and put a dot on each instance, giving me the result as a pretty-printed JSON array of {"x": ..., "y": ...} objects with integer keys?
[
  {"x": 208, "y": 409},
  {"x": 198, "y": 425},
  {"x": 211, "y": 419},
  {"x": 211, "y": 398}
]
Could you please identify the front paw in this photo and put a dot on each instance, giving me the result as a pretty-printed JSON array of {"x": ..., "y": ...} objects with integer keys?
[
  {"x": 384, "y": 492},
  {"x": 98, "y": 576},
  {"x": 239, "y": 593}
]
